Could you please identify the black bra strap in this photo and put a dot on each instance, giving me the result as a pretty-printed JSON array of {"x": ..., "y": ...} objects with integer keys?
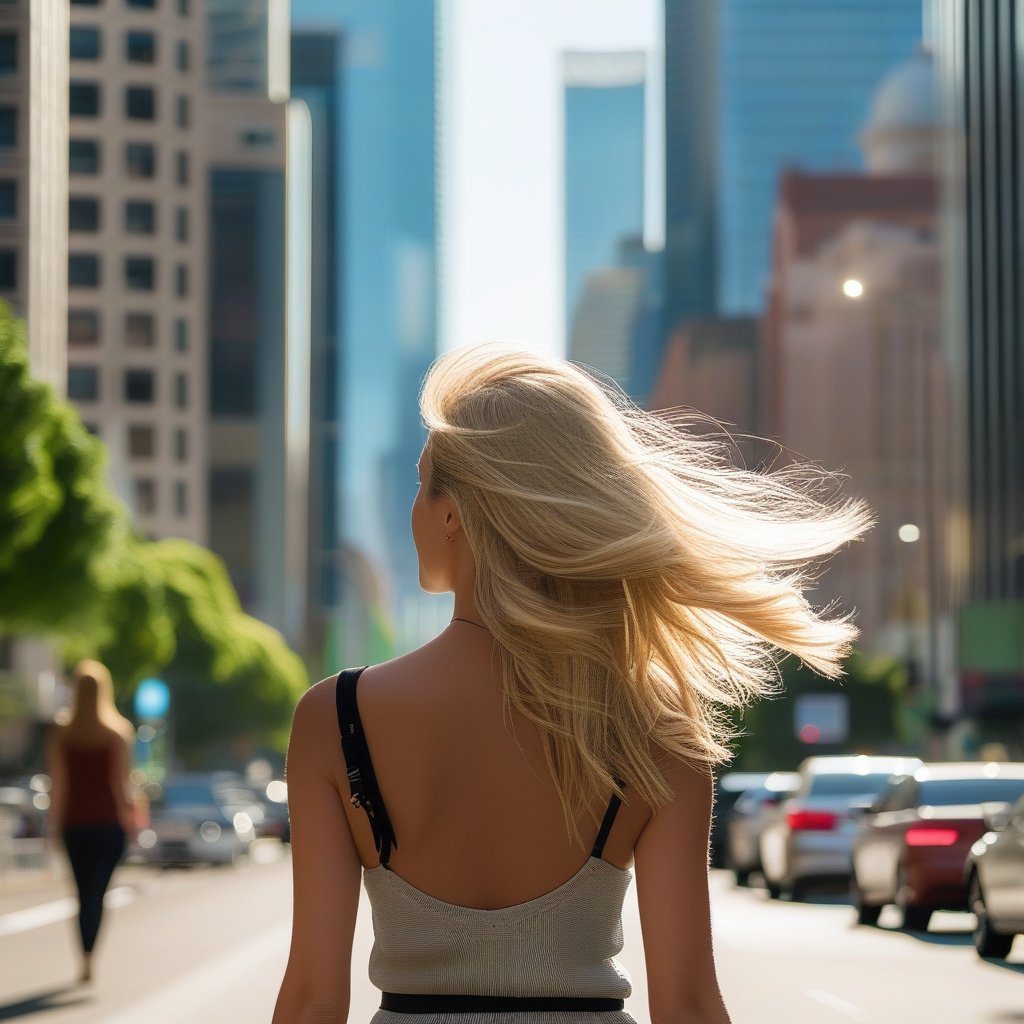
[
  {"x": 362, "y": 780},
  {"x": 609, "y": 819}
]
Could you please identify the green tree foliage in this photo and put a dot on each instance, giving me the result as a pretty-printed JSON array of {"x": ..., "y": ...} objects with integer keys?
[{"x": 72, "y": 567}]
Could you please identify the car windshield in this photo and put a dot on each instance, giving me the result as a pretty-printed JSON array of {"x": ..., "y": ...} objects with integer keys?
[
  {"x": 849, "y": 784},
  {"x": 947, "y": 792}
]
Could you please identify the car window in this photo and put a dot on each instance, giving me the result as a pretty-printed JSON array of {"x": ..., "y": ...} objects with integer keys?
[
  {"x": 185, "y": 794},
  {"x": 947, "y": 792},
  {"x": 899, "y": 794},
  {"x": 849, "y": 784}
]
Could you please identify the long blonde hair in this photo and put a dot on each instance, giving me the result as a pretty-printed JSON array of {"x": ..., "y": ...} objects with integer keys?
[
  {"x": 92, "y": 702},
  {"x": 636, "y": 581}
]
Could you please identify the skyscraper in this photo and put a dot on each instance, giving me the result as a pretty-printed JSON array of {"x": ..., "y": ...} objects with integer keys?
[
  {"x": 137, "y": 262},
  {"x": 316, "y": 80},
  {"x": 387, "y": 266},
  {"x": 604, "y": 163},
  {"x": 754, "y": 87},
  {"x": 259, "y": 187}
]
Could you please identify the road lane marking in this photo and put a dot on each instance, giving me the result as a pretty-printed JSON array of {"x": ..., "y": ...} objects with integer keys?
[
  {"x": 58, "y": 910},
  {"x": 191, "y": 996},
  {"x": 851, "y": 1010}
]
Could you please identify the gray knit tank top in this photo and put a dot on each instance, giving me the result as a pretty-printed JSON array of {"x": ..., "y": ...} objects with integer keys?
[{"x": 563, "y": 943}]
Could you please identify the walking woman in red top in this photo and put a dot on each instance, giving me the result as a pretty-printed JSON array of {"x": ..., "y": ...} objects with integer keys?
[{"x": 89, "y": 761}]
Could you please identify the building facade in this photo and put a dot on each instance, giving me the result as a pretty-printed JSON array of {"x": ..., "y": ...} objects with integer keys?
[
  {"x": 754, "y": 87},
  {"x": 137, "y": 253},
  {"x": 603, "y": 165},
  {"x": 981, "y": 76},
  {"x": 259, "y": 333},
  {"x": 33, "y": 183}
]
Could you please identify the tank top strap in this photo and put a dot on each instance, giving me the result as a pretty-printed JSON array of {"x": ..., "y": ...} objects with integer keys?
[
  {"x": 609, "y": 820},
  {"x": 362, "y": 780}
]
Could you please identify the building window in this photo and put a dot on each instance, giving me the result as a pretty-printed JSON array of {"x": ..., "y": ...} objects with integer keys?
[
  {"x": 9, "y": 200},
  {"x": 181, "y": 335},
  {"x": 181, "y": 390},
  {"x": 140, "y": 47},
  {"x": 83, "y": 327},
  {"x": 181, "y": 444},
  {"x": 139, "y": 273},
  {"x": 139, "y": 217},
  {"x": 141, "y": 441},
  {"x": 8, "y": 127},
  {"x": 184, "y": 58},
  {"x": 8, "y": 53},
  {"x": 85, "y": 43},
  {"x": 181, "y": 224},
  {"x": 181, "y": 280},
  {"x": 184, "y": 113},
  {"x": 180, "y": 498},
  {"x": 139, "y": 386},
  {"x": 83, "y": 383},
  {"x": 145, "y": 496},
  {"x": 85, "y": 99},
  {"x": 182, "y": 167},
  {"x": 147, "y": 4},
  {"x": 140, "y": 159},
  {"x": 93, "y": 428},
  {"x": 85, "y": 3},
  {"x": 183, "y": 8},
  {"x": 83, "y": 270},
  {"x": 84, "y": 156},
  {"x": 140, "y": 102},
  {"x": 139, "y": 330},
  {"x": 8, "y": 269},
  {"x": 83, "y": 213}
]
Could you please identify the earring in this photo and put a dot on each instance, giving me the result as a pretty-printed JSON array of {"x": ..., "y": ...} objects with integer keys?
[{"x": 446, "y": 537}]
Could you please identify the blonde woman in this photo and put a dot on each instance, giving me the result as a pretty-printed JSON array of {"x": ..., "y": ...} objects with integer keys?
[
  {"x": 617, "y": 582},
  {"x": 91, "y": 808}
]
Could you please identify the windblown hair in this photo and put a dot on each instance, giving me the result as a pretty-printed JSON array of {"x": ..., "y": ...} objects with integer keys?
[{"x": 636, "y": 580}]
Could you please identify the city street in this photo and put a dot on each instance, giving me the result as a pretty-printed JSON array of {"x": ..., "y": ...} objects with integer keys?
[{"x": 210, "y": 945}]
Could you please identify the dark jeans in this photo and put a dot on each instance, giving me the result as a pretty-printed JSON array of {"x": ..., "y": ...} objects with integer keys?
[{"x": 94, "y": 852}]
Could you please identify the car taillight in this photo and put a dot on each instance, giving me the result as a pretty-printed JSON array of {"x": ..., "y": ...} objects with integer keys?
[
  {"x": 811, "y": 821},
  {"x": 932, "y": 836}
]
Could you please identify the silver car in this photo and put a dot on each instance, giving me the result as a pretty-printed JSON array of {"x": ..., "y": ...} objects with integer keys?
[
  {"x": 809, "y": 837},
  {"x": 994, "y": 874},
  {"x": 747, "y": 819},
  {"x": 195, "y": 818}
]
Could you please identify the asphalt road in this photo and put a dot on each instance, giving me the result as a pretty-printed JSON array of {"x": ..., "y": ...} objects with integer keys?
[{"x": 209, "y": 945}]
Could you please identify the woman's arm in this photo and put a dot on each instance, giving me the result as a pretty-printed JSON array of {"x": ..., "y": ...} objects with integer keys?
[
  {"x": 671, "y": 858},
  {"x": 121, "y": 782},
  {"x": 326, "y": 870},
  {"x": 56, "y": 769}
]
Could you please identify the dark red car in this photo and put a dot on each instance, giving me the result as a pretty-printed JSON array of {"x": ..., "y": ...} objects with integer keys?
[{"x": 912, "y": 844}]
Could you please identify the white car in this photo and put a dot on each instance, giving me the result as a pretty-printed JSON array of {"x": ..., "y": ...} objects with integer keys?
[{"x": 809, "y": 837}]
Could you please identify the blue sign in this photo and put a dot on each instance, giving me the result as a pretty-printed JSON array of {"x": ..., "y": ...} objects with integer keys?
[{"x": 152, "y": 698}]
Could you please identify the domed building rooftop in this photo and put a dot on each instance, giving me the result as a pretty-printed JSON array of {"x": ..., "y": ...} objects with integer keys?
[{"x": 900, "y": 133}]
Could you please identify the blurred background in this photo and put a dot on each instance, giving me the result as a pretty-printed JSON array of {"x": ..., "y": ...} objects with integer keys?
[
  {"x": 234, "y": 234},
  {"x": 801, "y": 219}
]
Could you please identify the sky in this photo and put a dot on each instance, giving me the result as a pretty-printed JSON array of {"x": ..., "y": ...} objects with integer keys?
[{"x": 502, "y": 256}]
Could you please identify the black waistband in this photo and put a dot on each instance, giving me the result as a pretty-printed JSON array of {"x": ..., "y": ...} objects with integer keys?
[{"x": 405, "y": 1002}]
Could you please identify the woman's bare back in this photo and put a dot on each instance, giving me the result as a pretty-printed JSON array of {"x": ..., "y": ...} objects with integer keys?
[{"x": 478, "y": 823}]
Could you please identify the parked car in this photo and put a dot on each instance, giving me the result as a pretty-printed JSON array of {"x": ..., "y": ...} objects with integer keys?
[
  {"x": 994, "y": 879},
  {"x": 914, "y": 840},
  {"x": 196, "y": 818},
  {"x": 809, "y": 837},
  {"x": 728, "y": 789},
  {"x": 747, "y": 819}
]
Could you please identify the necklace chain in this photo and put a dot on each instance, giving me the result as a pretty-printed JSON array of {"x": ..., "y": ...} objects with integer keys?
[{"x": 477, "y": 624}]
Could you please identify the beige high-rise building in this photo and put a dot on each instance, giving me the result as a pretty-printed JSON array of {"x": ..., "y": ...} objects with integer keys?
[
  {"x": 137, "y": 316},
  {"x": 33, "y": 184}
]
